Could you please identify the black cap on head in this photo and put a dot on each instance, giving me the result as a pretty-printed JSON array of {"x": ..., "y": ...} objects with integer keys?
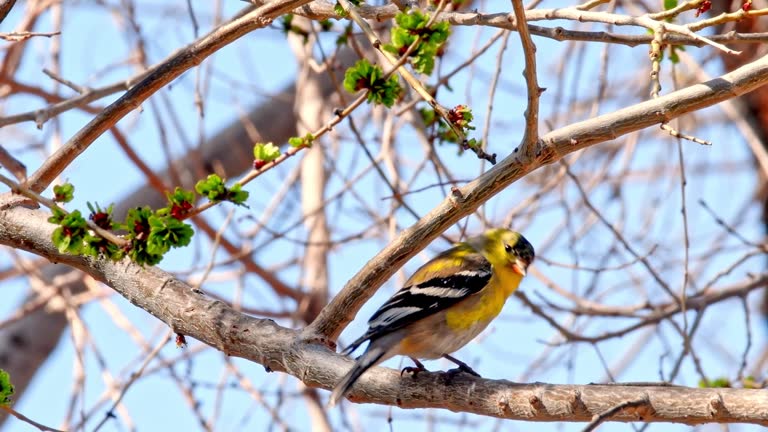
[{"x": 524, "y": 250}]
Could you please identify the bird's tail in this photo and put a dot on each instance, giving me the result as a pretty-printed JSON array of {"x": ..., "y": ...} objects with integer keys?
[{"x": 370, "y": 358}]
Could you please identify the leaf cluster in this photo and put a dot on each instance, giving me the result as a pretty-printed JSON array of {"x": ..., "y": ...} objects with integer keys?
[
  {"x": 461, "y": 116},
  {"x": 414, "y": 28},
  {"x": 63, "y": 193},
  {"x": 264, "y": 154},
  {"x": 214, "y": 189},
  {"x": 365, "y": 76},
  {"x": 305, "y": 141},
  {"x": 148, "y": 234},
  {"x": 6, "y": 388}
]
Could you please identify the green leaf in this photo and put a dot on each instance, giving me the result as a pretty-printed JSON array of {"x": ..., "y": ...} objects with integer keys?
[
  {"x": 365, "y": 76},
  {"x": 167, "y": 232},
  {"x": 305, "y": 141},
  {"x": 138, "y": 253},
  {"x": 69, "y": 236},
  {"x": 96, "y": 246},
  {"x": 670, "y": 4},
  {"x": 180, "y": 196},
  {"x": 428, "y": 116},
  {"x": 212, "y": 188},
  {"x": 412, "y": 26},
  {"x": 57, "y": 216},
  {"x": 237, "y": 195},
  {"x": 462, "y": 116},
  {"x": 474, "y": 144},
  {"x": 6, "y": 388},
  {"x": 359, "y": 76},
  {"x": 344, "y": 36},
  {"x": 265, "y": 153},
  {"x": 179, "y": 203},
  {"x": 715, "y": 383},
  {"x": 138, "y": 227},
  {"x": 286, "y": 22},
  {"x": 750, "y": 382},
  {"x": 339, "y": 10},
  {"x": 137, "y": 223},
  {"x": 673, "y": 56},
  {"x": 63, "y": 193},
  {"x": 440, "y": 129}
]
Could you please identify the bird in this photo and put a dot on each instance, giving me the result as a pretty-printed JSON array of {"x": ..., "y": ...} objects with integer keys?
[{"x": 445, "y": 304}]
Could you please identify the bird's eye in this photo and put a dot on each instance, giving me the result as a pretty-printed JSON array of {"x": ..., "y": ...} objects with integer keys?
[{"x": 508, "y": 248}]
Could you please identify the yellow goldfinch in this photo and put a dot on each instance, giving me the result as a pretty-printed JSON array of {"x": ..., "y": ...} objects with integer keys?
[{"x": 445, "y": 304}]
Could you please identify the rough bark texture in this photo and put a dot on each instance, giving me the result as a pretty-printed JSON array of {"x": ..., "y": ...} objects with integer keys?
[{"x": 190, "y": 312}]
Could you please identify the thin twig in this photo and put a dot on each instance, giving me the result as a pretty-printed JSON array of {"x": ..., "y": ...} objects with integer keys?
[
  {"x": 23, "y": 190},
  {"x": 134, "y": 376},
  {"x": 177, "y": 64},
  {"x": 28, "y": 420},
  {"x": 607, "y": 414}
]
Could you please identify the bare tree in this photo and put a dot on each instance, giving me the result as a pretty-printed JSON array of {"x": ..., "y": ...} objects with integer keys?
[{"x": 632, "y": 171}]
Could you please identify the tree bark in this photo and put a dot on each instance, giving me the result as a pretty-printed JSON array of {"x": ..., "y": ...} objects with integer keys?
[{"x": 190, "y": 312}]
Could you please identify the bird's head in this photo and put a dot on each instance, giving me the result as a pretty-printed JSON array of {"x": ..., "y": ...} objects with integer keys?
[{"x": 505, "y": 247}]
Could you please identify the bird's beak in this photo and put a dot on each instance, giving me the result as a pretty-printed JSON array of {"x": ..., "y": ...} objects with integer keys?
[{"x": 519, "y": 267}]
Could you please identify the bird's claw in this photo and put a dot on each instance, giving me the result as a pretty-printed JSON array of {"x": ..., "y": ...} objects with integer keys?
[{"x": 413, "y": 370}]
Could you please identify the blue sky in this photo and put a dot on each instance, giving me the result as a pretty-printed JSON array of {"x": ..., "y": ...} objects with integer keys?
[{"x": 245, "y": 74}]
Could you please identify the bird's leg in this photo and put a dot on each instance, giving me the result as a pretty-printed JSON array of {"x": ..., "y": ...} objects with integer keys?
[
  {"x": 413, "y": 370},
  {"x": 463, "y": 367}
]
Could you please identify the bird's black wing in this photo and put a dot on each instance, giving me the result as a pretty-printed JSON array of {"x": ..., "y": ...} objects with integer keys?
[{"x": 447, "y": 280}]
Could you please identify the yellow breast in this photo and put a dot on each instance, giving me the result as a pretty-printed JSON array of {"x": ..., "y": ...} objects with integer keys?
[{"x": 486, "y": 305}]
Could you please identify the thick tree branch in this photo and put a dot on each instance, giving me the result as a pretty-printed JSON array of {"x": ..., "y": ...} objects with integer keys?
[
  {"x": 319, "y": 10},
  {"x": 211, "y": 321},
  {"x": 551, "y": 147}
]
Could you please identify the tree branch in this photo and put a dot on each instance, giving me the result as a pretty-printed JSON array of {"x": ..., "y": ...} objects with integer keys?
[
  {"x": 211, "y": 321},
  {"x": 319, "y": 10},
  {"x": 551, "y": 148}
]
